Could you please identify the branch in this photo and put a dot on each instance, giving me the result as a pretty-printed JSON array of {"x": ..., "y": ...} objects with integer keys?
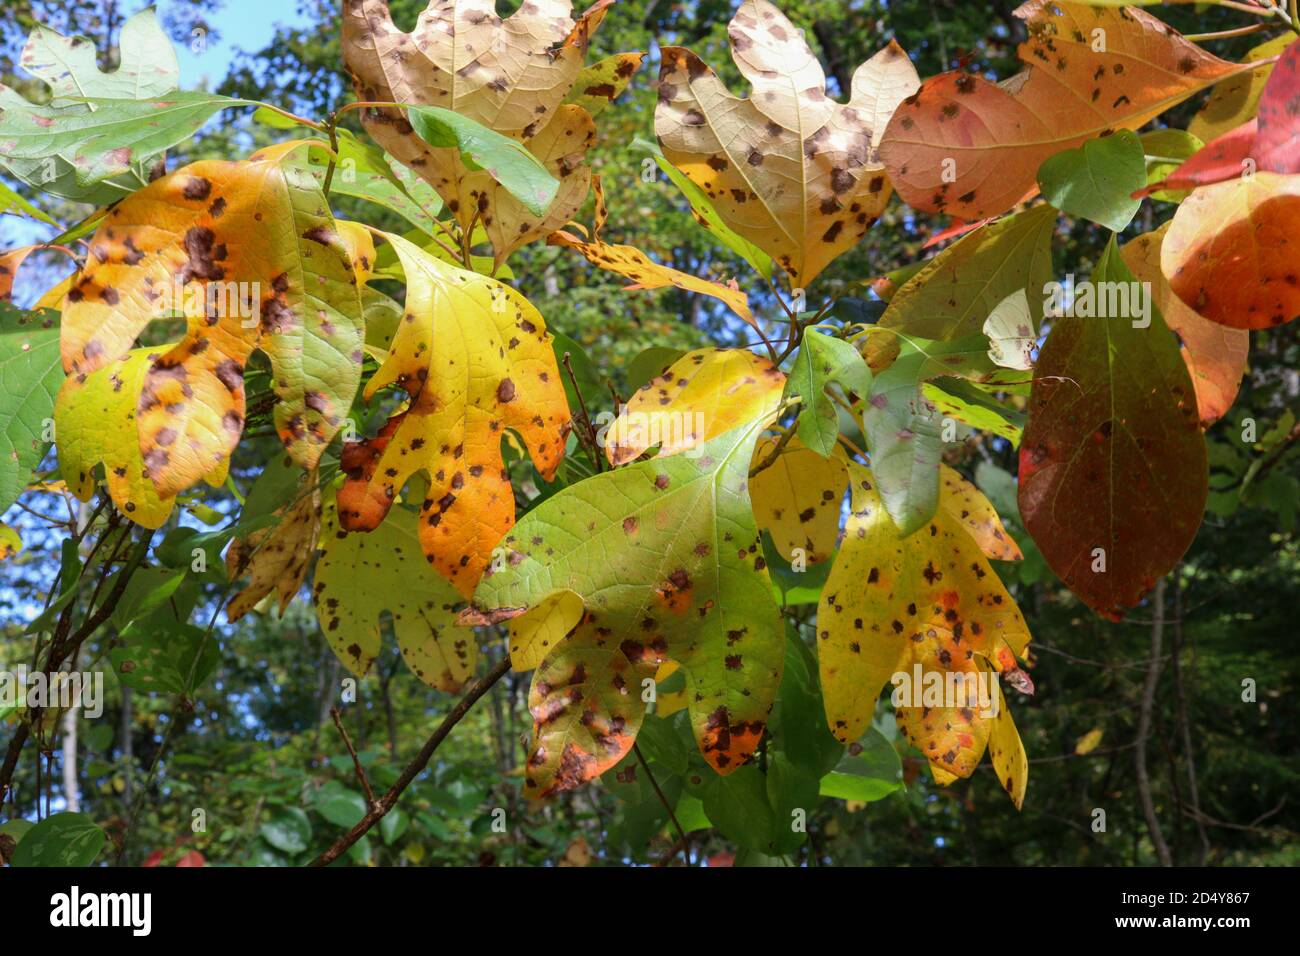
[
  {"x": 413, "y": 769},
  {"x": 61, "y": 646}
]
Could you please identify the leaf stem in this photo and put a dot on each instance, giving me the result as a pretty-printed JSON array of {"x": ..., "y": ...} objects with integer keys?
[{"x": 672, "y": 814}]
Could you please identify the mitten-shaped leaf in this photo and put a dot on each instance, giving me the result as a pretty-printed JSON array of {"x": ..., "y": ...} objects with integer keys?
[
  {"x": 654, "y": 562},
  {"x": 475, "y": 358},
  {"x": 971, "y": 148},
  {"x": 251, "y": 256},
  {"x": 930, "y": 599},
  {"x": 509, "y": 75},
  {"x": 788, "y": 168},
  {"x": 354, "y": 585}
]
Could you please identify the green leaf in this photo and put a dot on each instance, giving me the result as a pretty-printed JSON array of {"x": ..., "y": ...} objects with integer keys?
[
  {"x": 871, "y": 770},
  {"x": 951, "y": 295},
  {"x": 970, "y": 403},
  {"x": 172, "y": 660},
  {"x": 64, "y": 839},
  {"x": 11, "y": 201},
  {"x": 108, "y": 141},
  {"x": 393, "y": 825},
  {"x": 1096, "y": 181},
  {"x": 822, "y": 361},
  {"x": 904, "y": 429},
  {"x": 146, "y": 62},
  {"x": 362, "y": 171},
  {"x": 507, "y": 161},
  {"x": 739, "y": 808},
  {"x": 799, "y": 728},
  {"x": 1168, "y": 144},
  {"x": 146, "y": 591},
  {"x": 339, "y": 805},
  {"x": 31, "y": 372},
  {"x": 288, "y": 829},
  {"x": 705, "y": 213},
  {"x": 664, "y": 557}
]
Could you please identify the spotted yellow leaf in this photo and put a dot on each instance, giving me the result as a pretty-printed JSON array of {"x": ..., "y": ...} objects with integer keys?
[
  {"x": 701, "y": 395},
  {"x": 797, "y": 498},
  {"x": 475, "y": 359},
  {"x": 248, "y": 252},
  {"x": 631, "y": 263}
]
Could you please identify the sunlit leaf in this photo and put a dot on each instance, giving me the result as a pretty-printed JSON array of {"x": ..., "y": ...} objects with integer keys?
[
  {"x": 665, "y": 557},
  {"x": 475, "y": 359},
  {"x": 787, "y": 168}
]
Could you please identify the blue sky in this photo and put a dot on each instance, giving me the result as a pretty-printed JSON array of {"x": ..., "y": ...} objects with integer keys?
[{"x": 246, "y": 25}]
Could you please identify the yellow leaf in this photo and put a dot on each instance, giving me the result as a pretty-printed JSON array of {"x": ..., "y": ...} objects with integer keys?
[
  {"x": 701, "y": 395},
  {"x": 94, "y": 421},
  {"x": 250, "y": 255},
  {"x": 893, "y": 604},
  {"x": 1088, "y": 742},
  {"x": 632, "y": 263},
  {"x": 788, "y": 168},
  {"x": 11, "y": 542},
  {"x": 475, "y": 358},
  {"x": 797, "y": 498},
  {"x": 967, "y": 504}
]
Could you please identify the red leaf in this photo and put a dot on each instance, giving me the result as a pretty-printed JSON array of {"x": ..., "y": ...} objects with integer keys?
[{"x": 1279, "y": 116}]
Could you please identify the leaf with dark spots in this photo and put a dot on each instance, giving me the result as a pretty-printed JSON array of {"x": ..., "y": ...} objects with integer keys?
[
  {"x": 242, "y": 287},
  {"x": 607, "y": 608},
  {"x": 1112, "y": 508},
  {"x": 824, "y": 362},
  {"x": 513, "y": 84},
  {"x": 95, "y": 421},
  {"x": 275, "y": 558},
  {"x": 631, "y": 263},
  {"x": 464, "y": 386},
  {"x": 771, "y": 163},
  {"x": 1004, "y": 131},
  {"x": 354, "y": 586},
  {"x": 929, "y": 601},
  {"x": 701, "y": 395}
]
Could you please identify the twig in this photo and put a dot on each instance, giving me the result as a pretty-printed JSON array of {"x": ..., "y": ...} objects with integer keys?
[
  {"x": 356, "y": 761},
  {"x": 775, "y": 452},
  {"x": 672, "y": 814},
  {"x": 416, "y": 766},
  {"x": 587, "y": 434}
]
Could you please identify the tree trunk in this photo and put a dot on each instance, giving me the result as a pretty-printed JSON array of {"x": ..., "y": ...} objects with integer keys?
[
  {"x": 1144, "y": 726},
  {"x": 71, "y": 793}
]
